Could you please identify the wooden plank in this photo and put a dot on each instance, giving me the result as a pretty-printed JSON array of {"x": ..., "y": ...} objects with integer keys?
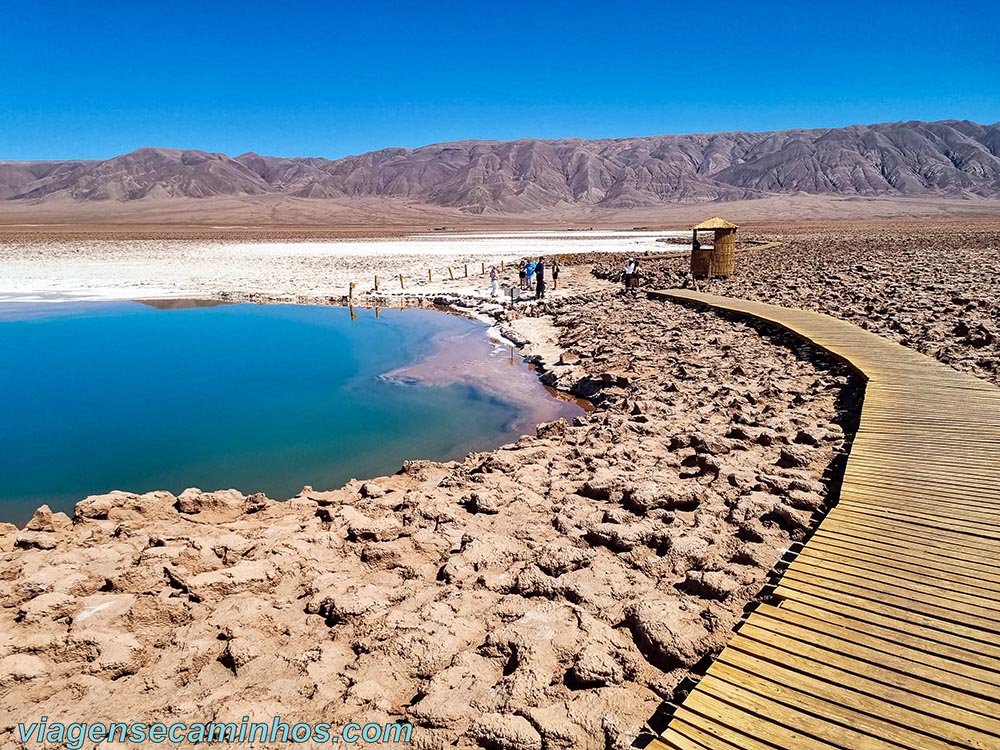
[
  {"x": 877, "y": 607},
  {"x": 897, "y": 558},
  {"x": 939, "y": 552},
  {"x": 919, "y": 507},
  {"x": 909, "y": 473},
  {"x": 911, "y": 569},
  {"x": 881, "y": 645},
  {"x": 890, "y": 678},
  {"x": 885, "y": 529},
  {"x": 832, "y": 677},
  {"x": 906, "y": 595},
  {"x": 710, "y": 733},
  {"x": 916, "y": 464},
  {"x": 745, "y": 712},
  {"x": 940, "y": 489},
  {"x": 966, "y": 535},
  {"x": 819, "y": 715},
  {"x": 931, "y": 499},
  {"x": 675, "y": 742}
]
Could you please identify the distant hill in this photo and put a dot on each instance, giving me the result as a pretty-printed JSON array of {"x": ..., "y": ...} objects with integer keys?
[{"x": 951, "y": 158}]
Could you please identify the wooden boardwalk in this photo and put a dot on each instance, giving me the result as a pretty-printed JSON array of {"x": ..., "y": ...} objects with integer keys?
[{"x": 885, "y": 633}]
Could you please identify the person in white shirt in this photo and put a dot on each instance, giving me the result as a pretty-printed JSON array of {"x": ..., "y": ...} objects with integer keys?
[{"x": 629, "y": 270}]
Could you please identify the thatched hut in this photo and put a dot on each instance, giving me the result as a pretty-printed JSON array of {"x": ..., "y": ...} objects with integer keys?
[{"x": 720, "y": 259}]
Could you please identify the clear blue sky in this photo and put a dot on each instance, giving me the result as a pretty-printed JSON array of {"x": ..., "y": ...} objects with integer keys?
[{"x": 95, "y": 78}]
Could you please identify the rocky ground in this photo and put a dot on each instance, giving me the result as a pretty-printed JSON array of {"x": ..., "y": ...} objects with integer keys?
[
  {"x": 547, "y": 594},
  {"x": 932, "y": 287}
]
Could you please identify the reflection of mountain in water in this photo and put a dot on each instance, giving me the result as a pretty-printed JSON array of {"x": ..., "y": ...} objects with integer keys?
[{"x": 181, "y": 304}]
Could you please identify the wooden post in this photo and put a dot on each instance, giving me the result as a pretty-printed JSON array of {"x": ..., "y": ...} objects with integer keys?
[
  {"x": 429, "y": 277},
  {"x": 350, "y": 291},
  {"x": 451, "y": 273},
  {"x": 484, "y": 268},
  {"x": 376, "y": 283},
  {"x": 466, "y": 270},
  {"x": 401, "y": 282},
  {"x": 501, "y": 265}
]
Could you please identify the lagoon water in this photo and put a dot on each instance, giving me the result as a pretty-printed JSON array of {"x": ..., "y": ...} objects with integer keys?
[{"x": 262, "y": 398}]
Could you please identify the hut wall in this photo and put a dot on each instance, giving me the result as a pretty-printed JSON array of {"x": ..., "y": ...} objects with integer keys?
[
  {"x": 723, "y": 260},
  {"x": 701, "y": 263}
]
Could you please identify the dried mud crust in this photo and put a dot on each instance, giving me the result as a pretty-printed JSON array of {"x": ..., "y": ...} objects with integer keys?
[
  {"x": 551, "y": 593},
  {"x": 931, "y": 289}
]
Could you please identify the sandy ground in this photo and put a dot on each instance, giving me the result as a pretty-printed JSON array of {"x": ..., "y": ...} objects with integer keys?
[{"x": 258, "y": 217}]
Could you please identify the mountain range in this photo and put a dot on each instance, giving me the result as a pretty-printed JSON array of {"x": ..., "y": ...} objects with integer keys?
[{"x": 950, "y": 159}]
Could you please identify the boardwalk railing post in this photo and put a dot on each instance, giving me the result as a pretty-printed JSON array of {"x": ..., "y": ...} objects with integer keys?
[
  {"x": 376, "y": 283},
  {"x": 401, "y": 282}
]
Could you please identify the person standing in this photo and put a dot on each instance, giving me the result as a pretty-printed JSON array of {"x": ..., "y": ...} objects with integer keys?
[
  {"x": 627, "y": 275},
  {"x": 555, "y": 274},
  {"x": 494, "y": 281},
  {"x": 522, "y": 276},
  {"x": 529, "y": 274},
  {"x": 540, "y": 279}
]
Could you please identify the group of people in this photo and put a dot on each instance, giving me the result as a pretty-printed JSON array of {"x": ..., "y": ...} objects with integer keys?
[{"x": 531, "y": 275}]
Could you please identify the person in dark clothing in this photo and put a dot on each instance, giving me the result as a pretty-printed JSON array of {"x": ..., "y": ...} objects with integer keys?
[
  {"x": 555, "y": 274},
  {"x": 540, "y": 278}
]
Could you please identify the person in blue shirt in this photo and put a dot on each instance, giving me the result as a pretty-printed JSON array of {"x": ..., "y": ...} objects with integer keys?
[{"x": 529, "y": 274}]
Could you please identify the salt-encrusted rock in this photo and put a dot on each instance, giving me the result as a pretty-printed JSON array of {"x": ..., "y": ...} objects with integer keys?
[
  {"x": 595, "y": 667},
  {"x": 45, "y": 520},
  {"x": 362, "y": 528},
  {"x": 372, "y": 490},
  {"x": 193, "y": 500},
  {"x": 505, "y": 732},
  {"x": 711, "y": 584},
  {"x": 48, "y": 606},
  {"x": 16, "y": 668},
  {"x": 670, "y": 634},
  {"x": 8, "y": 536}
]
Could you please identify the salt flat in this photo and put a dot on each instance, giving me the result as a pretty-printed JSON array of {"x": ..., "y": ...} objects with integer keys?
[{"x": 93, "y": 269}]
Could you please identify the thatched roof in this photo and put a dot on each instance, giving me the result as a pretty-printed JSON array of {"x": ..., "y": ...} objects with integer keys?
[{"x": 715, "y": 223}]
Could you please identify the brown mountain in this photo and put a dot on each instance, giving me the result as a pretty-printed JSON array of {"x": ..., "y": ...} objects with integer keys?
[{"x": 910, "y": 159}]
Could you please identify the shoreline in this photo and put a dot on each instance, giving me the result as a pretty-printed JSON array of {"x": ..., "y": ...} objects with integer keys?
[{"x": 492, "y": 336}]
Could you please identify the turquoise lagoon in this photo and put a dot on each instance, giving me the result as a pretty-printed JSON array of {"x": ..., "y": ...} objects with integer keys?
[{"x": 261, "y": 398}]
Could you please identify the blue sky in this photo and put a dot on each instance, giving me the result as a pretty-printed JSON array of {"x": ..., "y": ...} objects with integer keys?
[{"x": 95, "y": 78}]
